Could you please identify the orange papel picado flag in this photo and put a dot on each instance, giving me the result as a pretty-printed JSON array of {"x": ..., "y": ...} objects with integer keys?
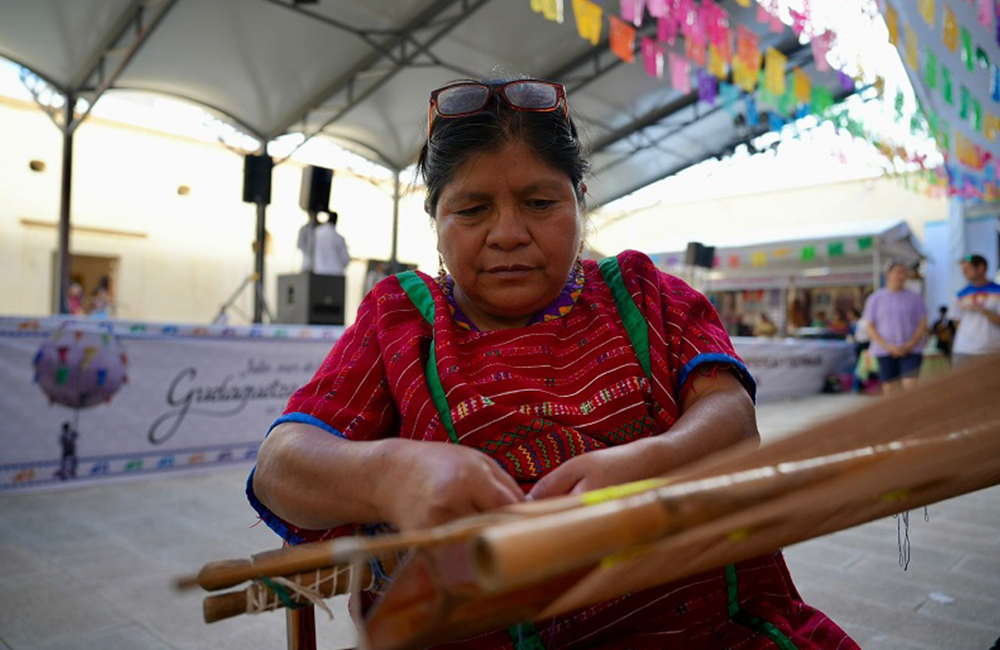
[
  {"x": 774, "y": 71},
  {"x": 716, "y": 63},
  {"x": 802, "y": 86},
  {"x": 892, "y": 22},
  {"x": 926, "y": 8},
  {"x": 950, "y": 32},
  {"x": 551, "y": 9},
  {"x": 588, "y": 20},
  {"x": 911, "y": 46},
  {"x": 622, "y": 37}
]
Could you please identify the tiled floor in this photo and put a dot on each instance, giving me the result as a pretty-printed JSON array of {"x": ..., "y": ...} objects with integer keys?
[{"x": 92, "y": 568}]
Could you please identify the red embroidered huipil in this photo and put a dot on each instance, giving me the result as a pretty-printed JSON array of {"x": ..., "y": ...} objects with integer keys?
[{"x": 536, "y": 396}]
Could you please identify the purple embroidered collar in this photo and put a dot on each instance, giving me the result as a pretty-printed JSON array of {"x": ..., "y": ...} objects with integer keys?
[{"x": 557, "y": 308}]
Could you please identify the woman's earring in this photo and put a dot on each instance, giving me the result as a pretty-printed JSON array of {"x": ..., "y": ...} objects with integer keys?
[{"x": 442, "y": 272}]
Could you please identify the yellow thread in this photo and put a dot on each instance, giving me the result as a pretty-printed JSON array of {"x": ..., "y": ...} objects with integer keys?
[
  {"x": 898, "y": 495},
  {"x": 620, "y": 491},
  {"x": 738, "y": 535},
  {"x": 609, "y": 561}
]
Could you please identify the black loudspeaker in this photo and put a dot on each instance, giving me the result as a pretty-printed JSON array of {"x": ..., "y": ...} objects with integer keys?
[
  {"x": 257, "y": 179},
  {"x": 700, "y": 255},
  {"x": 311, "y": 299},
  {"x": 315, "y": 193}
]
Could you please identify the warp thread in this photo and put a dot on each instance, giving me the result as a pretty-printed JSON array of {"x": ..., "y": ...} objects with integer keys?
[
  {"x": 271, "y": 593},
  {"x": 903, "y": 536}
]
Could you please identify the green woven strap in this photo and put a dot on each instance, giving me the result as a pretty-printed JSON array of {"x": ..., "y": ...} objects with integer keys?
[
  {"x": 635, "y": 323},
  {"x": 418, "y": 293},
  {"x": 281, "y": 593},
  {"x": 746, "y": 619}
]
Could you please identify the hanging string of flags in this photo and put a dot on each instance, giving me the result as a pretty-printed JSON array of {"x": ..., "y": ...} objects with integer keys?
[
  {"x": 712, "y": 49},
  {"x": 764, "y": 256},
  {"x": 956, "y": 63},
  {"x": 726, "y": 63}
]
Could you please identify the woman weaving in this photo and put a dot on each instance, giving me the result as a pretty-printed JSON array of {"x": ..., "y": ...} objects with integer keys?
[{"x": 524, "y": 372}]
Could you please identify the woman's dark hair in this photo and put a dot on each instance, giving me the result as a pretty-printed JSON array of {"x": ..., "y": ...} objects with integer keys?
[{"x": 551, "y": 136}]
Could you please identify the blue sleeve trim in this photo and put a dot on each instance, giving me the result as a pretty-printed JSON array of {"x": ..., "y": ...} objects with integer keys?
[
  {"x": 717, "y": 357},
  {"x": 305, "y": 418},
  {"x": 272, "y": 520}
]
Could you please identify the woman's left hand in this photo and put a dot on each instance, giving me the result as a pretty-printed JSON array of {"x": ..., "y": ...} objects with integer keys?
[{"x": 598, "y": 469}]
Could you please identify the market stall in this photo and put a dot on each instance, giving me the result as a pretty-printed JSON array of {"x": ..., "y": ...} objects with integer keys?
[{"x": 798, "y": 278}]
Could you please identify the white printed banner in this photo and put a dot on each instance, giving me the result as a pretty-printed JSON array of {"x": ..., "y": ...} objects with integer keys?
[
  {"x": 194, "y": 396},
  {"x": 787, "y": 368},
  {"x": 203, "y": 396}
]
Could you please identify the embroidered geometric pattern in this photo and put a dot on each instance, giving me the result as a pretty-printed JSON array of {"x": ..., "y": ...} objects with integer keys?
[{"x": 639, "y": 428}]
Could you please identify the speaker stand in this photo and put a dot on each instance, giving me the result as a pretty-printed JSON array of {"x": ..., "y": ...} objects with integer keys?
[{"x": 230, "y": 304}]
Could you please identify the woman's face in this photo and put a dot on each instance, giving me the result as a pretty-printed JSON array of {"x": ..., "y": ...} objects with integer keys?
[{"x": 509, "y": 230}]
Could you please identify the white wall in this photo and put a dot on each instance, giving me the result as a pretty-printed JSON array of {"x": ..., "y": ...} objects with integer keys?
[{"x": 195, "y": 249}]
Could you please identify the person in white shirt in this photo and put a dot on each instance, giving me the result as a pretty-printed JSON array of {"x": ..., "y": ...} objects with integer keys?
[
  {"x": 324, "y": 250},
  {"x": 976, "y": 312},
  {"x": 305, "y": 243}
]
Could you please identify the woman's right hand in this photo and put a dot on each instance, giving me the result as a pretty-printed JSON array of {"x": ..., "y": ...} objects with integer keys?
[{"x": 430, "y": 483}]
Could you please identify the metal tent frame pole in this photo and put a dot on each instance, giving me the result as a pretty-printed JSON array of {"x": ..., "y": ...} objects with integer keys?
[
  {"x": 65, "y": 194},
  {"x": 393, "y": 262},
  {"x": 258, "y": 267}
]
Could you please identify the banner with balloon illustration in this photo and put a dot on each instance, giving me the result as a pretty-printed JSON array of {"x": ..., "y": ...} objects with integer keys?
[{"x": 87, "y": 401}]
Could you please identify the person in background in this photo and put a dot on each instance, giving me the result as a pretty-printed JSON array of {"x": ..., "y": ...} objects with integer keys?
[
  {"x": 102, "y": 303},
  {"x": 764, "y": 326},
  {"x": 75, "y": 299},
  {"x": 838, "y": 325},
  {"x": 897, "y": 322},
  {"x": 306, "y": 241},
  {"x": 330, "y": 255},
  {"x": 858, "y": 336},
  {"x": 67, "y": 464},
  {"x": 943, "y": 331},
  {"x": 976, "y": 312},
  {"x": 820, "y": 320}
]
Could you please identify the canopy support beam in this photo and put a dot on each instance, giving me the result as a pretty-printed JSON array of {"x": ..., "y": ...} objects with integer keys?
[
  {"x": 133, "y": 16},
  {"x": 393, "y": 261},
  {"x": 361, "y": 73},
  {"x": 65, "y": 192}
]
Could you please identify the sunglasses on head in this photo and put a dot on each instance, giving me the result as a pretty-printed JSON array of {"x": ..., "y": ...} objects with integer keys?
[{"x": 468, "y": 98}]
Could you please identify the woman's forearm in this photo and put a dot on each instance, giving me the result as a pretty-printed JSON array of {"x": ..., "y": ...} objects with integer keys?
[
  {"x": 717, "y": 414},
  {"x": 315, "y": 480}
]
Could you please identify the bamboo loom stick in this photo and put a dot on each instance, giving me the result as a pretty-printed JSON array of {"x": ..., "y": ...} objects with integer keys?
[
  {"x": 523, "y": 552},
  {"x": 259, "y": 597},
  {"x": 224, "y": 574},
  {"x": 799, "y": 516},
  {"x": 954, "y": 426}
]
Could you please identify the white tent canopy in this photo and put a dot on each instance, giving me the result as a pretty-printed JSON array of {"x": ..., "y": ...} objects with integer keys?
[{"x": 360, "y": 72}]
